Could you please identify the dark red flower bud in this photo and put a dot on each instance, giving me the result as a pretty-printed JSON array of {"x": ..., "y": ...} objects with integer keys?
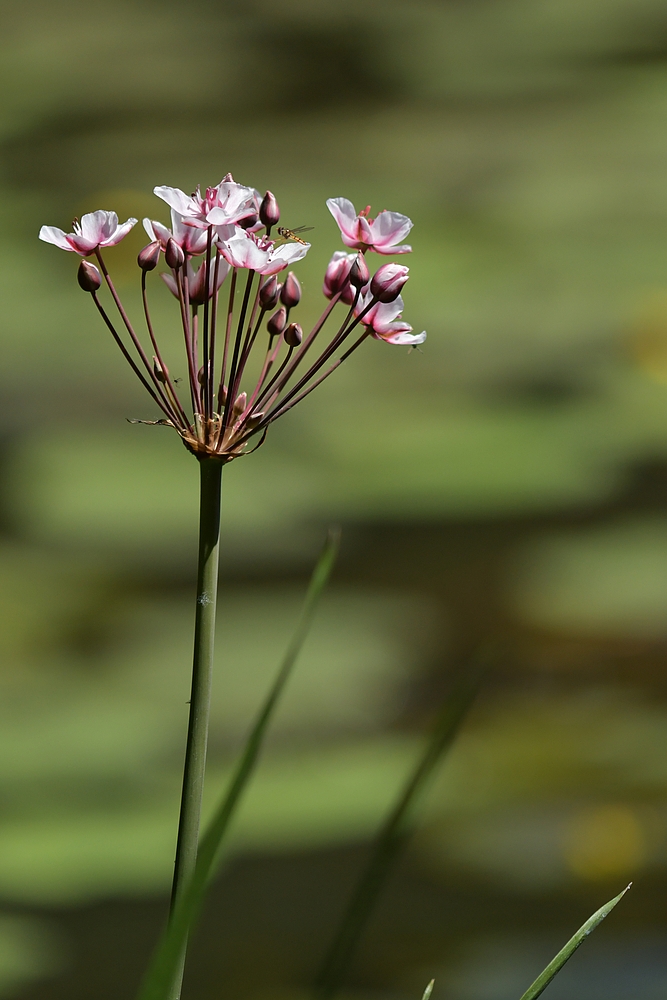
[
  {"x": 277, "y": 323},
  {"x": 200, "y": 374},
  {"x": 293, "y": 335},
  {"x": 388, "y": 281},
  {"x": 290, "y": 294},
  {"x": 269, "y": 293},
  {"x": 88, "y": 276},
  {"x": 359, "y": 273},
  {"x": 173, "y": 254},
  {"x": 269, "y": 212},
  {"x": 149, "y": 256}
]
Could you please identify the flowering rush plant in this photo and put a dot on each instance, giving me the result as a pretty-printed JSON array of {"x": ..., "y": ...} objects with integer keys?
[
  {"x": 228, "y": 232},
  {"x": 216, "y": 237},
  {"x": 248, "y": 362}
]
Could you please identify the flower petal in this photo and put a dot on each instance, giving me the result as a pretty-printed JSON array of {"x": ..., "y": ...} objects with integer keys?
[
  {"x": 190, "y": 238},
  {"x": 51, "y": 234},
  {"x": 291, "y": 252},
  {"x": 81, "y": 244},
  {"x": 402, "y": 338},
  {"x": 404, "y": 248},
  {"x": 119, "y": 234},
  {"x": 156, "y": 231},
  {"x": 170, "y": 282},
  {"x": 183, "y": 203},
  {"x": 242, "y": 251},
  {"x": 382, "y": 315},
  {"x": 388, "y": 228},
  {"x": 97, "y": 226},
  {"x": 345, "y": 215}
]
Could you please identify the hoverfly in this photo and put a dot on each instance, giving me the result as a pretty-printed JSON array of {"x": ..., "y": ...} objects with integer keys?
[{"x": 291, "y": 234}]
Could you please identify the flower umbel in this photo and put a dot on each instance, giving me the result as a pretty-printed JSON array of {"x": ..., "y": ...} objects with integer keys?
[{"x": 216, "y": 237}]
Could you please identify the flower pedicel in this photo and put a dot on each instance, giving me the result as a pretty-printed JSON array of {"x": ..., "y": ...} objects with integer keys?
[{"x": 229, "y": 229}]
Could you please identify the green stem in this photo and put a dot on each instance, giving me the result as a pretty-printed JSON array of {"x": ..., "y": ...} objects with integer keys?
[
  {"x": 168, "y": 954},
  {"x": 200, "y": 698}
]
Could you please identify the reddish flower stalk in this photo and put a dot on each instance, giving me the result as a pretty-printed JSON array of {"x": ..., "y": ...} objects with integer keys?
[{"x": 228, "y": 229}]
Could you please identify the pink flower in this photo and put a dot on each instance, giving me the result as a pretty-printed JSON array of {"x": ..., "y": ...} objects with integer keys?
[
  {"x": 227, "y": 204},
  {"x": 197, "y": 281},
  {"x": 191, "y": 240},
  {"x": 245, "y": 249},
  {"x": 363, "y": 233},
  {"x": 96, "y": 229},
  {"x": 384, "y": 322}
]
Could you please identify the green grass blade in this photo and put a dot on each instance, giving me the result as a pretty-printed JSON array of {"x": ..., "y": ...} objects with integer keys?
[
  {"x": 557, "y": 963},
  {"x": 184, "y": 914},
  {"x": 428, "y": 990},
  {"x": 393, "y": 835}
]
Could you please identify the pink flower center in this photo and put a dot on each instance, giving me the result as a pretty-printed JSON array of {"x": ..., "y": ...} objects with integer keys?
[{"x": 262, "y": 242}]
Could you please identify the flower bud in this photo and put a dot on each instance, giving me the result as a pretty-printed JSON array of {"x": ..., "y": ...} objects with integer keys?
[
  {"x": 290, "y": 293},
  {"x": 88, "y": 276},
  {"x": 293, "y": 335},
  {"x": 173, "y": 254},
  {"x": 159, "y": 371},
  {"x": 269, "y": 212},
  {"x": 337, "y": 274},
  {"x": 278, "y": 321},
  {"x": 269, "y": 293},
  {"x": 388, "y": 281},
  {"x": 254, "y": 419},
  {"x": 359, "y": 273},
  {"x": 240, "y": 404},
  {"x": 200, "y": 374},
  {"x": 149, "y": 256}
]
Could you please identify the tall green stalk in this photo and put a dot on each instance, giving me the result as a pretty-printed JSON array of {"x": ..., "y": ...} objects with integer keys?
[
  {"x": 200, "y": 696},
  {"x": 168, "y": 956}
]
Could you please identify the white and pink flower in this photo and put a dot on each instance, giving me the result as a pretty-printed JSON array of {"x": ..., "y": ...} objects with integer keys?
[
  {"x": 384, "y": 322},
  {"x": 257, "y": 253},
  {"x": 95, "y": 230},
  {"x": 191, "y": 240},
  {"x": 382, "y": 234},
  {"x": 226, "y": 204}
]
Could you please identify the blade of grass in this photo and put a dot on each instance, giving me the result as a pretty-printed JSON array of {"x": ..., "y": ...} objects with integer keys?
[
  {"x": 556, "y": 964},
  {"x": 186, "y": 910},
  {"x": 428, "y": 990},
  {"x": 392, "y": 836}
]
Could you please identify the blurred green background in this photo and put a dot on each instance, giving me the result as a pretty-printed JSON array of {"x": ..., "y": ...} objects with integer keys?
[{"x": 509, "y": 482}]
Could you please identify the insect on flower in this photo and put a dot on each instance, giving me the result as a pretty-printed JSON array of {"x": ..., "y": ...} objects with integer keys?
[{"x": 291, "y": 234}]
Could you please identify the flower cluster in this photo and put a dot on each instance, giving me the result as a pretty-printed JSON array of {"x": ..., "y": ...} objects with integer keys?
[{"x": 229, "y": 230}]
